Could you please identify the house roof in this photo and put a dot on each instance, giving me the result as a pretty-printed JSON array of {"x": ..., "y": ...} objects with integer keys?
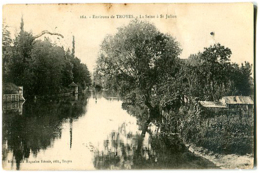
[
  {"x": 73, "y": 85},
  {"x": 211, "y": 104},
  {"x": 10, "y": 88},
  {"x": 238, "y": 100}
]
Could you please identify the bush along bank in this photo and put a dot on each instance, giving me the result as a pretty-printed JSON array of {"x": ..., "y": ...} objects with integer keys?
[{"x": 224, "y": 137}]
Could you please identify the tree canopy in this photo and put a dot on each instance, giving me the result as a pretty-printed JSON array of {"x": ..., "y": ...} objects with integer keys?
[
  {"x": 137, "y": 59},
  {"x": 40, "y": 66},
  {"x": 210, "y": 75},
  {"x": 143, "y": 65}
]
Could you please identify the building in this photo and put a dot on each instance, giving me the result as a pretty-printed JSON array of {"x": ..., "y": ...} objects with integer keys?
[
  {"x": 211, "y": 104},
  {"x": 74, "y": 88},
  {"x": 237, "y": 101},
  {"x": 13, "y": 107},
  {"x": 210, "y": 107},
  {"x": 12, "y": 93},
  {"x": 243, "y": 105}
]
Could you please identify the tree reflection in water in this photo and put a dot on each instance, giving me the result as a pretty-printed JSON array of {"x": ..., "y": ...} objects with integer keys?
[
  {"x": 38, "y": 126},
  {"x": 125, "y": 150},
  {"x": 42, "y": 123}
]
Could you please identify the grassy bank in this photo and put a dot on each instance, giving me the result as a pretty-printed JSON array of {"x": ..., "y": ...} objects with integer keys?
[{"x": 223, "y": 133}]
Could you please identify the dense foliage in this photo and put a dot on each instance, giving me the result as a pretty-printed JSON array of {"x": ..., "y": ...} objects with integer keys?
[
  {"x": 41, "y": 67},
  {"x": 210, "y": 75},
  {"x": 223, "y": 132},
  {"x": 136, "y": 61},
  {"x": 143, "y": 64}
]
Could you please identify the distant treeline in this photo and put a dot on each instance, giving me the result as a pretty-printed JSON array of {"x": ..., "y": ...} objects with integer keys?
[{"x": 41, "y": 67}]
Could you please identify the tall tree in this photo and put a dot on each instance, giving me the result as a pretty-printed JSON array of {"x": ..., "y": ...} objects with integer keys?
[
  {"x": 136, "y": 60},
  {"x": 73, "y": 47},
  {"x": 47, "y": 66},
  {"x": 22, "y": 25},
  {"x": 215, "y": 64},
  {"x": 6, "y": 52},
  {"x": 22, "y": 46},
  {"x": 210, "y": 75}
]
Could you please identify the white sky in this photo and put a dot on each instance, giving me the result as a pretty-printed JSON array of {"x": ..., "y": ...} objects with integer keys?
[{"x": 231, "y": 23}]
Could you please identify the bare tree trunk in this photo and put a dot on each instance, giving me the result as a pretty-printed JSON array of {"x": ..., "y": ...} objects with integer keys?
[
  {"x": 146, "y": 127},
  {"x": 153, "y": 112}
]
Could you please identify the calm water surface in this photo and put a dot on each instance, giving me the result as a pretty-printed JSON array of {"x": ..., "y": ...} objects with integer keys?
[{"x": 90, "y": 132}]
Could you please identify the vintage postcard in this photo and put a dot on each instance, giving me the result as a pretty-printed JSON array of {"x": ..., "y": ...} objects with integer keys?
[{"x": 128, "y": 86}]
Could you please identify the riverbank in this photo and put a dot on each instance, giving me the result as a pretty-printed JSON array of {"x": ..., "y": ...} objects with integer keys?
[
  {"x": 229, "y": 161},
  {"x": 222, "y": 161}
]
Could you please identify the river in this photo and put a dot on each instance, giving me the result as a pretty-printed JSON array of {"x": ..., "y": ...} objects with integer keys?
[{"x": 85, "y": 133}]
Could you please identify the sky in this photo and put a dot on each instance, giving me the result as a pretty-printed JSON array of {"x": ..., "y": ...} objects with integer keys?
[{"x": 191, "y": 25}]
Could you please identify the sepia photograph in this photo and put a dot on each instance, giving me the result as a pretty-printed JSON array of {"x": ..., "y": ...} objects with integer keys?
[{"x": 159, "y": 86}]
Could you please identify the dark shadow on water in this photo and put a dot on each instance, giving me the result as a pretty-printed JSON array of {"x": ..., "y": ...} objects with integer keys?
[{"x": 38, "y": 126}]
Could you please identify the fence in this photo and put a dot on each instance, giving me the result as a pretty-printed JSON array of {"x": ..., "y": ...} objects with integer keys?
[{"x": 12, "y": 97}]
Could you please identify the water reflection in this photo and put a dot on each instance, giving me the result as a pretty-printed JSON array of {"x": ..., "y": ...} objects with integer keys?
[
  {"x": 38, "y": 127},
  {"x": 124, "y": 149},
  {"x": 97, "y": 132},
  {"x": 13, "y": 107}
]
